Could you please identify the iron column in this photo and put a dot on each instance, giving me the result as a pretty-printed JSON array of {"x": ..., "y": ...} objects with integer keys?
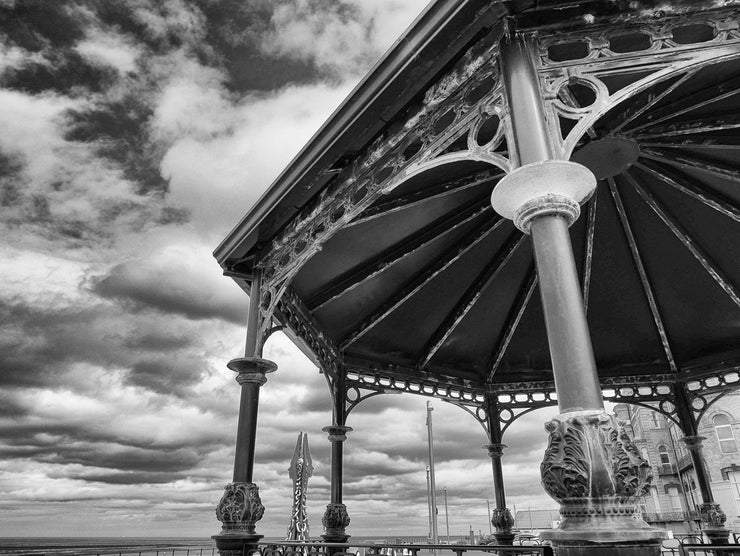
[
  {"x": 581, "y": 470},
  {"x": 240, "y": 506},
  {"x": 502, "y": 519},
  {"x": 336, "y": 519},
  {"x": 710, "y": 512}
]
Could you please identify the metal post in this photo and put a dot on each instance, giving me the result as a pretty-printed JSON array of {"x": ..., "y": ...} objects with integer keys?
[
  {"x": 711, "y": 513},
  {"x": 429, "y": 505},
  {"x": 250, "y": 392},
  {"x": 336, "y": 519},
  {"x": 447, "y": 517},
  {"x": 502, "y": 519},
  {"x": 490, "y": 527},
  {"x": 240, "y": 506},
  {"x": 542, "y": 196},
  {"x": 432, "y": 487}
]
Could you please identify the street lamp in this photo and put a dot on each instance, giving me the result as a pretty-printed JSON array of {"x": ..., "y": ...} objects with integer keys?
[{"x": 447, "y": 517}]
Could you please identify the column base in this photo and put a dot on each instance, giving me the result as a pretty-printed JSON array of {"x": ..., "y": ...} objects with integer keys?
[
  {"x": 585, "y": 548},
  {"x": 505, "y": 538},
  {"x": 236, "y": 544},
  {"x": 335, "y": 538},
  {"x": 605, "y": 535}
]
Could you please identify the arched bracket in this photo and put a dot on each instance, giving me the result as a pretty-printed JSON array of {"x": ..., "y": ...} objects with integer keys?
[{"x": 477, "y": 411}]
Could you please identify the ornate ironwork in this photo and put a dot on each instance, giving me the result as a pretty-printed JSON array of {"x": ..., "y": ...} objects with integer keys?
[
  {"x": 292, "y": 311},
  {"x": 593, "y": 469},
  {"x": 335, "y": 520},
  {"x": 457, "y": 106},
  {"x": 240, "y": 509},
  {"x": 301, "y": 468}
]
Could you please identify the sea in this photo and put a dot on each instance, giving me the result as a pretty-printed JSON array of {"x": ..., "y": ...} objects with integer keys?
[{"x": 149, "y": 546}]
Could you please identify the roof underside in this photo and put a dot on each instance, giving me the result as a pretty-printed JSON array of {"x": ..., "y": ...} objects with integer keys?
[{"x": 429, "y": 279}]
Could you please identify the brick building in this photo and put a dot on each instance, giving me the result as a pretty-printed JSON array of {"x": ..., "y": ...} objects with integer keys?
[{"x": 674, "y": 496}]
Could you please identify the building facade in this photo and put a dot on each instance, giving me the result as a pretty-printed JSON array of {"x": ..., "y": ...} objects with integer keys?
[{"x": 674, "y": 496}]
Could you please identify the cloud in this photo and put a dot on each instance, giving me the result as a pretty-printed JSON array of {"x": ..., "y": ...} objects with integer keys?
[
  {"x": 340, "y": 38},
  {"x": 172, "y": 280}
]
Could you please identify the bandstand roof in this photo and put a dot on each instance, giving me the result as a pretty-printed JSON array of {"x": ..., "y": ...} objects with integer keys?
[{"x": 380, "y": 250}]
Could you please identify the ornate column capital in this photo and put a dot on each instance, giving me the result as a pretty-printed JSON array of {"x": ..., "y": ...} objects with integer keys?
[
  {"x": 337, "y": 433},
  {"x": 335, "y": 521},
  {"x": 251, "y": 370},
  {"x": 712, "y": 515},
  {"x": 502, "y": 520},
  {"x": 593, "y": 469},
  {"x": 240, "y": 509},
  {"x": 541, "y": 188},
  {"x": 495, "y": 450},
  {"x": 693, "y": 443}
]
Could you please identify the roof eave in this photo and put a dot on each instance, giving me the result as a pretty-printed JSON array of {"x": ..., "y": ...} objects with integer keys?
[{"x": 368, "y": 95}]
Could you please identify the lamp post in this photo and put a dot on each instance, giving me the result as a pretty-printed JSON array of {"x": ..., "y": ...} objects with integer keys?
[
  {"x": 447, "y": 517},
  {"x": 432, "y": 487},
  {"x": 490, "y": 528}
]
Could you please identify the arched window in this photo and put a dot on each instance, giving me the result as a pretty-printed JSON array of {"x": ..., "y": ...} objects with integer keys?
[
  {"x": 663, "y": 453},
  {"x": 725, "y": 434}
]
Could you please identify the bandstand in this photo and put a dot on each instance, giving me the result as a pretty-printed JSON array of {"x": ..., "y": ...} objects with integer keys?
[{"x": 524, "y": 204}]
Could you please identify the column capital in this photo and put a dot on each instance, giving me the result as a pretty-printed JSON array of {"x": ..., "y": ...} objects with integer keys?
[
  {"x": 495, "y": 450},
  {"x": 502, "y": 520},
  {"x": 693, "y": 442},
  {"x": 554, "y": 187},
  {"x": 335, "y": 522},
  {"x": 337, "y": 433},
  {"x": 240, "y": 509},
  {"x": 251, "y": 370}
]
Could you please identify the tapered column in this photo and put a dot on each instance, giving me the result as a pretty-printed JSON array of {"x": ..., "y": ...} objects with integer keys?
[
  {"x": 712, "y": 517},
  {"x": 336, "y": 519},
  {"x": 240, "y": 507},
  {"x": 591, "y": 466},
  {"x": 501, "y": 517}
]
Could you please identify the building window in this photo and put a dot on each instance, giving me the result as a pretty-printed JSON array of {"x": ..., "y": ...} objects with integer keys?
[
  {"x": 734, "y": 477},
  {"x": 663, "y": 453},
  {"x": 725, "y": 435},
  {"x": 656, "y": 419},
  {"x": 675, "y": 498}
]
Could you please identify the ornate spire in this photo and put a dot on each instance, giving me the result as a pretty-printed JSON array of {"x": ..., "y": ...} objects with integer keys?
[{"x": 301, "y": 468}]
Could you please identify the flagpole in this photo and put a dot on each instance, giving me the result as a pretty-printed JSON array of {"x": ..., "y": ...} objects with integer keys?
[
  {"x": 429, "y": 505},
  {"x": 432, "y": 486}
]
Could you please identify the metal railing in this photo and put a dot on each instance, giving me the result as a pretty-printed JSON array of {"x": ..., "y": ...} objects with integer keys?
[
  {"x": 367, "y": 549},
  {"x": 698, "y": 545},
  {"x": 110, "y": 551}
]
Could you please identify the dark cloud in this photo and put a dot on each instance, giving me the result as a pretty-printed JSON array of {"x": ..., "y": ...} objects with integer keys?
[
  {"x": 131, "y": 478},
  {"x": 37, "y": 344},
  {"x": 168, "y": 290},
  {"x": 164, "y": 375}
]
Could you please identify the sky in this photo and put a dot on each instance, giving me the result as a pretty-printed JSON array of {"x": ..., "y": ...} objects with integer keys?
[{"x": 134, "y": 135}]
